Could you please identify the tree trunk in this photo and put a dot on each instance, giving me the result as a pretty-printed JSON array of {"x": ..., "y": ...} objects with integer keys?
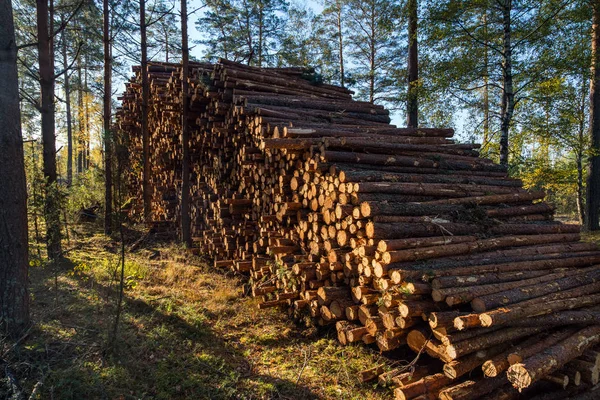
[
  {"x": 185, "y": 140},
  {"x": 260, "y": 34},
  {"x": 86, "y": 106},
  {"x": 579, "y": 152},
  {"x": 166, "y": 33},
  {"x": 144, "y": 116},
  {"x": 592, "y": 222},
  {"x": 508, "y": 96},
  {"x": 412, "y": 111},
  {"x": 580, "y": 188},
  {"x": 14, "y": 298},
  {"x": 486, "y": 90},
  {"x": 67, "y": 88},
  {"x": 46, "y": 66},
  {"x": 340, "y": 5},
  {"x": 80, "y": 124},
  {"x": 107, "y": 118},
  {"x": 372, "y": 53}
]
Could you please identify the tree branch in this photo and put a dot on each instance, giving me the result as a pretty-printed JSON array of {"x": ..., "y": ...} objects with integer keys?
[
  {"x": 149, "y": 24},
  {"x": 565, "y": 4},
  {"x": 23, "y": 46},
  {"x": 72, "y": 62},
  {"x": 66, "y": 22},
  {"x": 30, "y": 99}
]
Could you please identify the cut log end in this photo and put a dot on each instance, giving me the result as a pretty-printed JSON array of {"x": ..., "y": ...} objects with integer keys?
[
  {"x": 451, "y": 351},
  {"x": 489, "y": 369},
  {"x": 486, "y": 320},
  {"x": 365, "y": 209},
  {"x": 519, "y": 376}
]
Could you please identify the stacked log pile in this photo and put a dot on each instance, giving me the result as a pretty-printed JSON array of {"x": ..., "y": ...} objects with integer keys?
[{"x": 398, "y": 237}]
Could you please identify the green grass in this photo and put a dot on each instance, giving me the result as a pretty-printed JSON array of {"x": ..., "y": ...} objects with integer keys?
[{"x": 186, "y": 332}]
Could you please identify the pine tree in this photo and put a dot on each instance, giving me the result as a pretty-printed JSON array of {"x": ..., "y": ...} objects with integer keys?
[
  {"x": 47, "y": 80},
  {"x": 14, "y": 297},
  {"x": 592, "y": 221},
  {"x": 248, "y": 31},
  {"x": 374, "y": 46},
  {"x": 412, "y": 104},
  {"x": 331, "y": 35}
]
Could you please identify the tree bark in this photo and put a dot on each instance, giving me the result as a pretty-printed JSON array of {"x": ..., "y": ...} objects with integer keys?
[
  {"x": 185, "y": 139},
  {"x": 412, "y": 111},
  {"x": 144, "y": 116},
  {"x": 508, "y": 96},
  {"x": 260, "y": 33},
  {"x": 14, "y": 298},
  {"x": 80, "y": 124},
  {"x": 86, "y": 114},
  {"x": 67, "y": 88},
  {"x": 579, "y": 152},
  {"x": 340, "y": 6},
  {"x": 486, "y": 88},
  {"x": 592, "y": 222},
  {"x": 46, "y": 66},
  {"x": 372, "y": 55},
  {"x": 106, "y": 119}
]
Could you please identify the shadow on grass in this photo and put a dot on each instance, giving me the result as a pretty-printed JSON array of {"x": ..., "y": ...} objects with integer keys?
[{"x": 158, "y": 354}]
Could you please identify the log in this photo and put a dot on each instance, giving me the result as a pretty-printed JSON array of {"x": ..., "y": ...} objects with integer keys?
[
  {"x": 494, "y": 199},
  {"x": 465, "y": 248},
  {"x": 371, "y": 373},
  {"x": 415, "y": 308},
  {"x": 522, "y": 375},
  {"x": 454, "y": 296},
  {"x": 400, "y": 244},
  {"x": 370, "y": 209},
  {"x": 458, "y": 368},
  {"x": 429, "y": 189},
  {"x": 503, "y": 316},
  {"x": 428, "y": 385},
  {"x": 588, "y": 371},
  {"x": 413, "y": 374},
  {"x": 397, "y": 231},
  {"x": 482, "y": 279},
  {"x": 564, "y": 318},
  {"x": 539, "y": 208},
  {"x": 536, "y": 289},
  {"x": 436, "y": 162},
  {"x": 349, "y": 173},
  {"x": 470, "y": 390},
  {"x": 536, "y": 265},
  {"x": 499, "y": 363},
  {"x": 457, "y": 350}
]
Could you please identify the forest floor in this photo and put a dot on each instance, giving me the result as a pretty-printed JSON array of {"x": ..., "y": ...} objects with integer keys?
[{"x": 186, "y": 332}]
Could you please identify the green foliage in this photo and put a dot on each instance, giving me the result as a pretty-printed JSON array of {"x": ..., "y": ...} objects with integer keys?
[
  {"x": 86, "y": 190},
  {"x": 557, "y": 178},
  {"x": 164, "y": 36},
  {"x": 248, "y": 31},
  {"x": 301, "y": 43},
  {"x": 374, "y": 45}
]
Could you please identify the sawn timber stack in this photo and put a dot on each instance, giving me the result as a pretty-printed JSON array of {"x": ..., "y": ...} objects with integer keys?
[{"x": 400, "y": 237}]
